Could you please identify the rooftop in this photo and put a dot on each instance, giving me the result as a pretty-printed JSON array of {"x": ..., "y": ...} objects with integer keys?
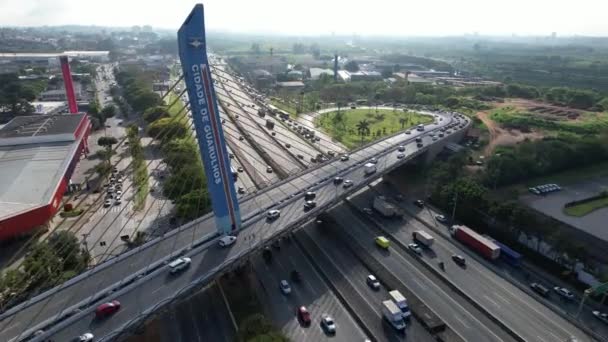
[
  {"x": 290, "y": 84},
  {"x": 37, "y": 125}
]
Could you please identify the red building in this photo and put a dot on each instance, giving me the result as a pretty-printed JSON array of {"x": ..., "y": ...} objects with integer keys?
[{"x": 38, "y": 155}]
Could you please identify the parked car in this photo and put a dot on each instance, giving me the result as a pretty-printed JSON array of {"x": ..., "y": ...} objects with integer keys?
[
  {"x": 107, "y": 309},
  {"x": 564, "y": 292}
]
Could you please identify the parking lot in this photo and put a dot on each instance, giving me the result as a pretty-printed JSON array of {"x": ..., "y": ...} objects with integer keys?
[{"x": 552, "y": 204}]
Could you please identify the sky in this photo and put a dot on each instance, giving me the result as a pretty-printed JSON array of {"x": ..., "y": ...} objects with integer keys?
[{"x": 324, "y": 17}]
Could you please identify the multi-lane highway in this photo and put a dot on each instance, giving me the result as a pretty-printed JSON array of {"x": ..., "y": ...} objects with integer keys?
[
  {"x": 310, "y": 292},
  {"x": 286, "y": 196},
  {"x": 523, "y": 314}
]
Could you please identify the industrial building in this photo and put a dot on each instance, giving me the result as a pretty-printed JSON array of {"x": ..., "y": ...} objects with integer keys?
[
  {"x": 38, "y": 155},
  {"x": 13, "y": 61}
]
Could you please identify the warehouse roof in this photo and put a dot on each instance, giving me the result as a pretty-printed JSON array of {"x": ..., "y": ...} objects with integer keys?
[
  {"x": 29, "y": 174},
  {"x": 37, "y": 125}
]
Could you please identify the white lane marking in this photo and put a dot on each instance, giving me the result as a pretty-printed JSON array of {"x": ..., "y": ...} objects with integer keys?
[
  {"x": 491, "y": 300},
  {"x": 418, "y": 282},
  {"x": 462, "y": 322},
  {"x": 502, "y": 298},
  {"x": 542, "y": 339}
]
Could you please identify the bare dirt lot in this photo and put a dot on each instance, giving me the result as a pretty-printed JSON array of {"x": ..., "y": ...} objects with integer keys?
[{"x": 502, "y": 136}]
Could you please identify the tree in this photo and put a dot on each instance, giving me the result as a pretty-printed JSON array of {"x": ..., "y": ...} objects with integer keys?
[
  {"x": 363, "y": 128},
  {"x": 452, "y": 102},
  {"x": 107, "y": 141},
  {"x": 352, "y": 66},
  {"x": 402, "y": 121},
  {"x": 145, "y": 100},
  {"x": 155, "y": 113},
  {"x": 193, "y": 204},
  {"x": 109, "y": 111},
  {"x": 167, "y": 129}
]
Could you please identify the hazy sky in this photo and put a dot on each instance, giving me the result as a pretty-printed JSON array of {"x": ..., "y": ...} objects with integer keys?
[{"x": 392, "y": 17}]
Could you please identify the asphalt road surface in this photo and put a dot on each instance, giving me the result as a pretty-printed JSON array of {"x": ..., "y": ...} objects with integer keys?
[
  {"x": 282, "y": 196},
  {"x": 455, "y": 311},
  {"x": 311, "y": 292}
]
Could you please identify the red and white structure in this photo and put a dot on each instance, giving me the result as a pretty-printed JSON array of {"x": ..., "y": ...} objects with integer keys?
[{"x": 38, "y": 155}]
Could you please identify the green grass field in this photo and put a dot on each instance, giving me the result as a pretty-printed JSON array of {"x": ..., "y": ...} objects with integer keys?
[
  {"x": 587, "y": 123},
  {"x": 344, "y": 126},
  {"x": 281, "y": 105},
  {"x": 585, "y": 208}
]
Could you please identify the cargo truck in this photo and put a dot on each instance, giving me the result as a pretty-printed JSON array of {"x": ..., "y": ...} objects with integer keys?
[
  {"x": 401, "y": 303},
  {"x": 393, "y": 315},
  {"x": 369, "y": 168},
  {"x": 385, "y": 208},
  {"x": 478, "y": 243},
  {"x": 423, "y": 238}
]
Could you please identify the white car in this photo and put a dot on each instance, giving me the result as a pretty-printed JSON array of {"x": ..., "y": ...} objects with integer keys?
[
  {"x": 344, "y": 157},
  {"x": 347, "y": 183},
  {"x": 602, "y": 316},
  {"x": 87, "y": 337},
  {"x": 273, "y": 214},
  {"x": 372, "y": 282},
  {"x": 284, "y": 286},
  {"x": 328, "y": 324},
  {"x": 179, "y": 264},
  {"x": 415, "y": 248},
  {"x": 373, "y": 161},
  {"x": 227, "y": 240},
  {"x": 564, "y": 292},
  {"x": 400, "y": 156}
]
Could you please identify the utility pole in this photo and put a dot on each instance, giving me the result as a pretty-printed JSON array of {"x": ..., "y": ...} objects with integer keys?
[{"x": 454, "y": 207}]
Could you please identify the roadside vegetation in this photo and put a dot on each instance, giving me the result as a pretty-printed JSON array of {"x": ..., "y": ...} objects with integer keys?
[
  {"x": 582, "y": 208},
  {"x": 355, "y": 127},
  {"x": 47, "y": 264},
  {"x": 140, "y": 170}
]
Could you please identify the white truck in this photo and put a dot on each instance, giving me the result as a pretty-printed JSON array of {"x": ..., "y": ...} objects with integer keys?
[
  {"x": 369, "y": 168},
  {"x": 385, "y": 208},
  {"x": 401, "y": 303},
  {"x": 393, "y": 315},
  {"x": 423, "y": 238}
]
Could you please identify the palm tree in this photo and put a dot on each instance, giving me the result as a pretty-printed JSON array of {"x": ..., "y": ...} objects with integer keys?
[
  {"x": 402, "y": 121},
  {"x": 363, "y": 128}
]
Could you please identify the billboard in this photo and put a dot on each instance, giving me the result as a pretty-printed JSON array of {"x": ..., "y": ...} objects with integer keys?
[{"x": 207, "y": 123}]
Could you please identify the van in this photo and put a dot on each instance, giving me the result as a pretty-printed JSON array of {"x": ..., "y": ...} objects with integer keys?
[
  {"x": 382, "y": 242},
  {"x": 420, "y": 127},
  {"x": 369, "y": 168}
]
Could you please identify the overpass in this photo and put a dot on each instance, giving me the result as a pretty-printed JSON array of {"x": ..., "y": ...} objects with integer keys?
[{"x": 138, "y": 278}]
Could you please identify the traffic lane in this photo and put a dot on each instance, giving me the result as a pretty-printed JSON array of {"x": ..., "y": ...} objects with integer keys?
[
  {"x": 186, "y": 236},
  {"x": 356, "y": 274},
  {"x": 317, "y": 296},
  {"x": 504, "y": 293},
  {"x": 455, "y": 311},
  {"x": 505, "y": 306}
]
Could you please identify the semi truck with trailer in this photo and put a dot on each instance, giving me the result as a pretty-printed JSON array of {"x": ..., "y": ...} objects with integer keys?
[
  {"x": 478, "y": 243},
  {"x": 423, "y": 238},
  {"x": 393, "y": 315}
]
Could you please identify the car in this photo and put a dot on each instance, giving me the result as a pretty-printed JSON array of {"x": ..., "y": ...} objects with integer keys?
[
  {"x": 435, "y": 138},
  {"x": 441, "y": 218},
  {"x": 400, "y": 155},
  {"x": 107, "y": 203},
  {"x": 602, "y": 316},
  {"x": 86, "y": 337},
  {"x": 107, "y": 309},
  {"x": 564, "y": 292},
  {"x": 308, "y": 205},
  {"x": 119, "y": 180},
  {"x": 241, "y": 138},
  {"x": 344, "y": 157},
  {"x": 347, "y": 184},
  {"x": 179, "y": 264},
  {"x": 118, "y": 201},
  {"x": 239, "y": 169},
  {"x": 368, "y": 211},
  {"x": 540, "y": 289},
  {"x": 373, "y": 161},
  {"x": 415, "y": 248},
  {"x": 268, "y": 169},
  {"x": 338, "y": 180},
  {"x": 328, "y": 324},
  {"x": 288, "y": 145},
  {"x": 382, "y": 242},
  {"x": 310, "y": 195},
  {"x": 241, "y": 190},
  {"x": 419, "y": 203},
  {"x": 408, "y": 132},
  {"x": 227, "y": 240},
  {"x": 273, "y": 133},
  {"x": 331, "y": 153},
  {"x": 401, "y": 148},
  {"x": 441, "y": 135},
  {"x": 273, "y": 214},
  {"x": 284, "y": 286},
  {"x": 372, "y": 282},
  {"x": 304, "y": 315},
  {"x": 459, "y": 259},
  {"x": 119, "y": 192},
  {"x": 419, "y": 145}
]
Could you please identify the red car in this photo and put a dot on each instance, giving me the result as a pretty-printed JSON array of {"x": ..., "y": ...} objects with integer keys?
[
  {"x": 107, "y": 309},
  {"x": 303, "y": 315}
]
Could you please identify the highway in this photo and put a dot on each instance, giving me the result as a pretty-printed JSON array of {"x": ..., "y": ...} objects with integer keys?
[
  {"x": 460, "y": 315},
  {"x": 282, "y": 196},
  {"x": 492, "y": 275},
  {"x": 311, "y": 292},
  {"x": 522, "y": 313},
  {"x": 336, "y": 260}
]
